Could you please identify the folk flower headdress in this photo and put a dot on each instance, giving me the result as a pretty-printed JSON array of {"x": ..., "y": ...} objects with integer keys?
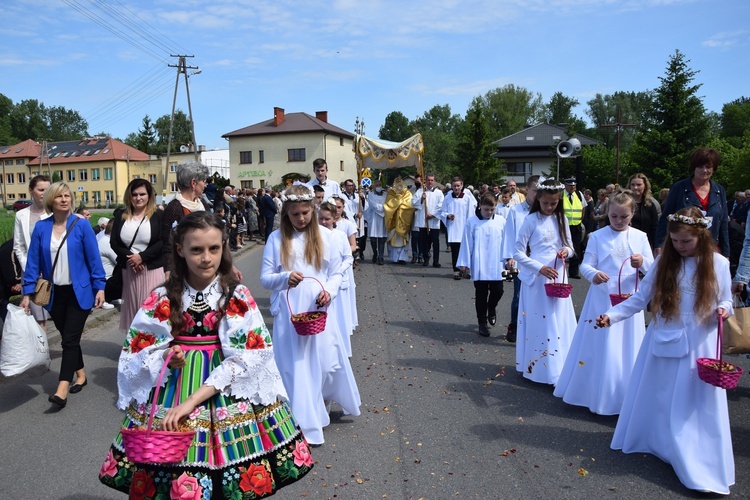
[
  {"x": 691, "y": 221},
  {"x": 555, "y": 187},
  {"x": 297, "y": 197}
]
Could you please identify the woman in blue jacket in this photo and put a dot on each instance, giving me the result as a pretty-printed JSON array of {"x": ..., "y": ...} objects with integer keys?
[
  {"x": 78, "y": 280},
  {"x": 699, "y": 191}
]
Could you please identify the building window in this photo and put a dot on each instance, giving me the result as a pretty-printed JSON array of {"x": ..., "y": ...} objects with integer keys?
[
  {"x": 94, "y": 174},
  {"x": 71, "y": 175},
  {"x": 84, "y": 197},
  {"x": 22, "y": 196},
  {"x": 20, "y": 162},
  {"x": 173, "y": 186},
  {"x": 262, "y": 183},
  {"x": 519, "y": 168},
  {"x": 152, "y": 178},
  {"x": 83, "y": 175},
  {"x": 9, "y": 162},
  {"x": 296, "y": 154},
  {"x": 46, "y": 172},
  {"x": 261, "y": 156},
  {"x": 11, "y": 196},
  {"x": 107, "y": 174},
  {"x": 109, "y": 196},
  {"x": 246, "y": 157},
  {"x": 246, "y": 184},
  {"x": 57, "y": 176},
  {"x": 173, "y": 166},
  {"x": 22, "y": 178},
  {"x": 9, "y": 178},
  {"x": 341, "y": 141},
  {"x": 97, "y": 195},
  {"x": 341, "y": 165}
]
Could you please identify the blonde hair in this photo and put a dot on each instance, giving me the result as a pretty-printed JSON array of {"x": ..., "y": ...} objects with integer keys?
[
  {"x": 53, "y": 192},
  {"x": 314, "y": 244}
]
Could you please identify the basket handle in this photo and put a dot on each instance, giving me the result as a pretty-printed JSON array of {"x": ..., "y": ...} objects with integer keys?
[
  {"x": 156, "y": 391},
  {"x": 564, "y": 271},
  {"x": 720, "y": 342},
  {"x": 289, "y": 288},
  {"x": 619, "y": 277}
]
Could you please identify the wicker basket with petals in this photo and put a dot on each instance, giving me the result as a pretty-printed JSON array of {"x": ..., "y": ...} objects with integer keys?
[
  {"x": 310, "y": 322},
  {"x": 718, "y": 372},
  {"x": 616, "y": 298},
  {"x": 558, "y": 290}
]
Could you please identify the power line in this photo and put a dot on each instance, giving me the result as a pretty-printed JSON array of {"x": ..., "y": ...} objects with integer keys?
[
  {"x": 133, "y": 26},
  {"x": 156, "y": 31}
]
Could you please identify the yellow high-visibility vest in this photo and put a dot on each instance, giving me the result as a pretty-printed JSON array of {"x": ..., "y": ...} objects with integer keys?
[{"x": 573, "y": 211}]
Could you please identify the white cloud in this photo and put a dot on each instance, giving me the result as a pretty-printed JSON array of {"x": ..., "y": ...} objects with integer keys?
[{"x": 725, "y": 39}]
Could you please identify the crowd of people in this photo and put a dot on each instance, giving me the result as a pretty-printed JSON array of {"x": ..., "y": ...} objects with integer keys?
[{"x": 257, "y": 403}]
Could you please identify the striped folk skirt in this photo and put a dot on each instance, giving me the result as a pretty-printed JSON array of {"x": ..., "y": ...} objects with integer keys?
[{"x": 240, "y": 450}]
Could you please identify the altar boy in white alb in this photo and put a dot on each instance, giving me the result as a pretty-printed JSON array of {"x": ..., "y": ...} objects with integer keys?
[
  {"x": 427, "y": 202},
  {"x": 457, "y": 207}
]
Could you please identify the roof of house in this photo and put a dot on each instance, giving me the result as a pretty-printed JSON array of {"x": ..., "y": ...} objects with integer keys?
[
  {"x": 292, "y": 123},
  {"x": 90, "y": 149},
  {"x": 25, "y": 149},
  {"x": 536, "y": 140}
]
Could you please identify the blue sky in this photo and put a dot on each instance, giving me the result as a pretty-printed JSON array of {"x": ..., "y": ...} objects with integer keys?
[{"x": 355, "y": 58}]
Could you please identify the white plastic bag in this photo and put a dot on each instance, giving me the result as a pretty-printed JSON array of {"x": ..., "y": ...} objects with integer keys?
[{"x": 23, "y": 347}]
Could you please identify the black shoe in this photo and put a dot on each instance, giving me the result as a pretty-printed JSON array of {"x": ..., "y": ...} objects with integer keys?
[
  {"x": 380, "y": 262},
  {"x": 401, "y": 262},
  {"x": 483, "y": 330},
  {"x": 361, "y": 256},
  {"x": 57, "y": 400},
  {"x": 510, "y": 336},
  {"x": 436, "y": 265},
  {"x": 76, "y": 388},
  {"x": 413, "y": 260},
  {"x": 419, "y": 260},
  {"x": 575, "y": 276},
  {"x": 374, "y": 259},
  {"x": 425, "y": 264},
  {"x": 492, "y": 317}
]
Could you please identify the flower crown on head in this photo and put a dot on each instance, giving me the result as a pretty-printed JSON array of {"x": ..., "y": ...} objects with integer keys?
[
  {"x": 691, "y": 221},
  {"x": 556, "y": 187},
  {"x": 297, "y": 197},
  {"x": 331, "y": 200}
]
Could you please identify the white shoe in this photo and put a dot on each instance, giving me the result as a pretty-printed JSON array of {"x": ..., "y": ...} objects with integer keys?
[{"x": 107, "y": 305}]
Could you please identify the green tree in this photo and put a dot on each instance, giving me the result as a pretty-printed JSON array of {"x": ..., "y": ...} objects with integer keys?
[
  {"x": 735, "y": 120},
  {"x": 181, "y": 133},
  {"x": 146, "y": 138},
  {"x": 439, "y": 128},
  {"x": 6, "y": 132},
  {"x": 603, "y": 110},
  {"x": 28, "y": 120},
  {"x": 676, "y": 126},
  {"x": 509, "y": 108},
  {"x": 559, "y": 110},
  {"x": 65, "y": 124},
  {"x": 396, "y": 127},
  {"x": 474, "y": 150},
  {"x": 598, "y": 165}
]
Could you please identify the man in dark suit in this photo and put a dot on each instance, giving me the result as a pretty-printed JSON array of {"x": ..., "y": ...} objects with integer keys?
[{"x": 267, "y": 211}]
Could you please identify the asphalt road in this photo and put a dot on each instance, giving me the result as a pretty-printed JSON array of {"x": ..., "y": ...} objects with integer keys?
[{"x": 444, "y": 413}]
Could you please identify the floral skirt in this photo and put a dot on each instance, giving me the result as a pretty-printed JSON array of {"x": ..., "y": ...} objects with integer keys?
[{"x": 240, "y": 450}]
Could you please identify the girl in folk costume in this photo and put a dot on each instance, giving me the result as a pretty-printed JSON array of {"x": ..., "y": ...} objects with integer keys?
[
  {"x": 456, "y": 209},
  {"x": 598, "y": 367},
  {"x": 668, "y": 411},
  {"x": 313, "y": 367},
  {"x": 344, "y": 308},
  {"x": 223, "y": 382},
  {"x": 545, "y": 324},
  {"x": 482, "y": 253}
]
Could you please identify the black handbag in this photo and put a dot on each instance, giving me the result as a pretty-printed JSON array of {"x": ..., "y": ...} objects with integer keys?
[{"x": 113, "y": 287}]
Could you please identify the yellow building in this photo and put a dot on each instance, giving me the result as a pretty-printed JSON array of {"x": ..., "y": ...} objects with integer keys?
[
  {"x": 98, "y": 169},
  {"x": 271, "y": 152}
]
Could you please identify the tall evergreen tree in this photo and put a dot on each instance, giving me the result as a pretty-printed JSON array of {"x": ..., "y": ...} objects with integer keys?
[
  {"x": 474, "y": 151},
  {"x": 676, "y": 126},
  {"x": 146, "y": 139}
]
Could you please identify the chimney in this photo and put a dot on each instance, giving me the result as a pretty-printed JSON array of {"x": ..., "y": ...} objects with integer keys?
[
  {"x": 278, "y": 116},
  {"x": 322, "y": 116}
]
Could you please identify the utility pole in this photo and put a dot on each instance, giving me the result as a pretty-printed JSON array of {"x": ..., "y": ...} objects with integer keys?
[
  {"x": 182, "y": 68},
  {"x": 618, "y": 128}
]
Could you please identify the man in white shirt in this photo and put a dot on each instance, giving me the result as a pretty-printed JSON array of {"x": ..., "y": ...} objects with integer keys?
[
  {"x": 427, "y": 202},
  {"x": 456, "y": 209},
  {"x": 320, "y": 168}
]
